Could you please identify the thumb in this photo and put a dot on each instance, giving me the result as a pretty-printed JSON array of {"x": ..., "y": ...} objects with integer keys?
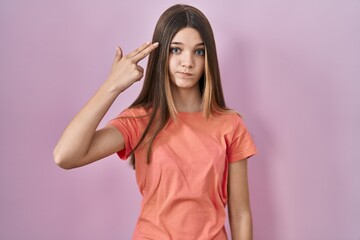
[{"x": 118, "y": 54}]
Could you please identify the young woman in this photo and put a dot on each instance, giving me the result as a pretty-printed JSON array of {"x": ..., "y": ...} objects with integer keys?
[{"x": 188, "y": 149}]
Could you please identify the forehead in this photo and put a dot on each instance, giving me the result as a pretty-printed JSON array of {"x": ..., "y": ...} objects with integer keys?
[{"x": 188, "y": 36}]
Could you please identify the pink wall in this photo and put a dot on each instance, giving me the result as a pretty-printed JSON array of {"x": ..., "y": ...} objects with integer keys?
[{"x": 292, "y": 69}]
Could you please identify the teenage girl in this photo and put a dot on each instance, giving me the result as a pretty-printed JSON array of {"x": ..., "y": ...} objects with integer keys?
[{"x": 188, "y": 149}]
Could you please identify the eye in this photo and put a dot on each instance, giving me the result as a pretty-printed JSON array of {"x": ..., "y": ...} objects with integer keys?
[
  {"x": 175, "y": 50},
  {"x": 200, "y": 52}
]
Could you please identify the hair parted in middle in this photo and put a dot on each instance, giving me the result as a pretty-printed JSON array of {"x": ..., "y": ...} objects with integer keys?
[{"x": 156, "y": 91}]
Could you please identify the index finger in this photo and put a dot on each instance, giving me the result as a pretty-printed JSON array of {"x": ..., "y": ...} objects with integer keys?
[
  {"x": 139, "y": 49},
  {"x": 144, "y": 52}
]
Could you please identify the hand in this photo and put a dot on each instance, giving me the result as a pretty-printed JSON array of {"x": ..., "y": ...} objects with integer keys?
[{"x": 125, "y": 70}]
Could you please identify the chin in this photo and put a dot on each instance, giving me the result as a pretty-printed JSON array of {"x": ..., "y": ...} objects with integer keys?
[{"x": 184, "y": 83}]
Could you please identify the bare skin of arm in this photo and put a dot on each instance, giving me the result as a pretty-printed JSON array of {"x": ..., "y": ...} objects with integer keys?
[
  {"x": 81, "y": 143},
  {"x": 240, "y": 217}
]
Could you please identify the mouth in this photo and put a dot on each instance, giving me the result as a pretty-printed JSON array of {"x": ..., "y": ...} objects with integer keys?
[{"x": 184, "y": 74}]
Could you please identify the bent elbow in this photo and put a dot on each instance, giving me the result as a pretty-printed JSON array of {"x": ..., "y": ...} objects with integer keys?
[{"x": 62, "y": 161}]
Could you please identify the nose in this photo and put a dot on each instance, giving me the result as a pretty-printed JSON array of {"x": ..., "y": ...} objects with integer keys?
[{"x": 187, "y": 60}]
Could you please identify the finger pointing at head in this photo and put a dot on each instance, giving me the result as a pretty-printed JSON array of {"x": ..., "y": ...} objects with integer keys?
[
  {"x": 144, "y": 52},
  {"x": 139, "y": 49}
]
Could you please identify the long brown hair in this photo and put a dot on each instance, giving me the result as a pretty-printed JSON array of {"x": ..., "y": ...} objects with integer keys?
[{"x": 155, "y": 94}]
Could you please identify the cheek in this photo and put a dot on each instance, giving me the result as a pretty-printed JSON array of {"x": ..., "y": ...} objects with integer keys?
[
  {"x": 172, "y": 64},
  {"x": 202, "y": 66}
]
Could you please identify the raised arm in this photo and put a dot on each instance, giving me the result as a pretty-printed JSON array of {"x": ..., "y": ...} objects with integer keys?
[
  {"x": 81, "y": 143},
  {"x": 240, "y": 218}
]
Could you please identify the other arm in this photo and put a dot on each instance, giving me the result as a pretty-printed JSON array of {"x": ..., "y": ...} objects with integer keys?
[{"x": 239, "y": 210}]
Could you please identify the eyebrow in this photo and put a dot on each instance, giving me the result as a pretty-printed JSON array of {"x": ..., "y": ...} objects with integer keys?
[{"x": 180, "y": 43}]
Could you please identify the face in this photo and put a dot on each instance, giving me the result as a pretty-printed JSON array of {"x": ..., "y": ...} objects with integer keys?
[{"x": 186, "y": 59}]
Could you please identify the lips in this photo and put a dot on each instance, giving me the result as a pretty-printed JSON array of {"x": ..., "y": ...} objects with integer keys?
[{"x": 184, "y": 74}]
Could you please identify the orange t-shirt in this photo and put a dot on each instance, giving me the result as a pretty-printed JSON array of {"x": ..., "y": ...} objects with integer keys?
[{"x": 184, "y": 188}]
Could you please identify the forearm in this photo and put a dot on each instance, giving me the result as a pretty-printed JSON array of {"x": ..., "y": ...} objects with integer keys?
[
  {"x": 75, "y": 140},
  {"x": 241, "y": 226}
]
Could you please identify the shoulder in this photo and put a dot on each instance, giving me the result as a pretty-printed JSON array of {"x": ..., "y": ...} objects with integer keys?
[
  {"x": 229, "y": 116},
  {"x": 134, "y": 112},
  {"x": 131, "y": 118}
]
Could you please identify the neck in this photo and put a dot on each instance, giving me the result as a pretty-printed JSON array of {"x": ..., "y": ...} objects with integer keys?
[{"x": 187, "y": 100}]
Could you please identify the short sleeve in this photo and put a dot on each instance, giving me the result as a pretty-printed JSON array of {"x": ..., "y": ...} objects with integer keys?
[
  {"x": 127, "y": 125},
  {"x": 242, "y": 145}
]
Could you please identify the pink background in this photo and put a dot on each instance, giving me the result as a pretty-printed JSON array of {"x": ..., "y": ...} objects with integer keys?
[{"x": 292, "y": 68}]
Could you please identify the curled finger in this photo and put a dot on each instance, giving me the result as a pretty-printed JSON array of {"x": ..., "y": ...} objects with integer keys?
[{"x": 140, "y": 69}]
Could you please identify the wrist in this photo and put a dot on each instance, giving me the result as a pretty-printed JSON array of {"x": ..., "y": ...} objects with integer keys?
[{"x": 112, "y": 88}]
